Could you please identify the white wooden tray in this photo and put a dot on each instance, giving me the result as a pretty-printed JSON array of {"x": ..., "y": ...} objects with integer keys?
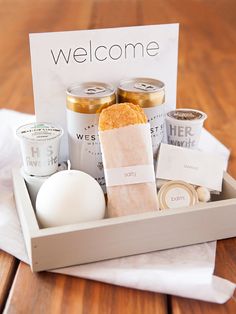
[{"x": 56, "y": 247}]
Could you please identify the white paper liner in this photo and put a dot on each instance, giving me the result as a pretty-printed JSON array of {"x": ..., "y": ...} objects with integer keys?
[
  {"x": 185, "y": 271},
  {"x": 126, "y": 147}
]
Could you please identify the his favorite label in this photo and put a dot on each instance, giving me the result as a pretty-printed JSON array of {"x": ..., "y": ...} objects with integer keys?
[
  {"x": 192, "y": 166},
  {"x": 41, "y": 157}
]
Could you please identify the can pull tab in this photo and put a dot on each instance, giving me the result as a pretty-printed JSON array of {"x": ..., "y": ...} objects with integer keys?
[
  {"x": 145, "y": 86},
  {"x": 94, "y": 90}
]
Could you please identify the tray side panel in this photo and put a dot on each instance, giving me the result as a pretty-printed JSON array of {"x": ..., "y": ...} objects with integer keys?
[
  {"x": 229, "y": 187},
  {"x": 134, "y": 237},
  {"x": 25, "y": 211}
]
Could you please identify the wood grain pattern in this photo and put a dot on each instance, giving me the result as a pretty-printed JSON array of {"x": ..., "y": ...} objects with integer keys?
[
  {"x": 8, "y": 266},
  {"x": 206, "y": 80},
  {"x": 51, "y": 293}
]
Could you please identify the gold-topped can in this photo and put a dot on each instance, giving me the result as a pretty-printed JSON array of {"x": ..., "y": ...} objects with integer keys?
[
  {"x": 85, "y": 101},
  {"x": 149, "y": 94}
]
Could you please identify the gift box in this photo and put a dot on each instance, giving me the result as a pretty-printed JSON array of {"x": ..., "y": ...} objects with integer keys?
[{"x": 56, "y": 59}]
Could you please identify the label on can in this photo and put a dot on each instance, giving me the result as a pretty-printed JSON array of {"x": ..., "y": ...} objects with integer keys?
[
  {"x": 84, "y": 146},
  {"x": 156, "y": 119}
]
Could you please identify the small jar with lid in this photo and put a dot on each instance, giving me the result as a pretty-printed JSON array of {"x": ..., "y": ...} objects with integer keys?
[{"x": 177, "y": 194}]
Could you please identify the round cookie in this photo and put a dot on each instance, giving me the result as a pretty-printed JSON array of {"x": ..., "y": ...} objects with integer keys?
[
  {"x": 140, "y": 112},
  {"x": 120, "y": 115}
]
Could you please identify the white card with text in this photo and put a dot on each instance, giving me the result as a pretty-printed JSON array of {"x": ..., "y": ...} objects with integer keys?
[
  {"x": 189, "y": 165},
  {"x": 62, "y": 59}
]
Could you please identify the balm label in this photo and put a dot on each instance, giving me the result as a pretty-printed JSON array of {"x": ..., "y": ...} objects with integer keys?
[{"x": 177, "y": 197}]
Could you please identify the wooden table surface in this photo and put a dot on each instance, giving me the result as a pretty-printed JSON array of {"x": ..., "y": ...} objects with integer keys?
[{"x": 206, "y": 80}]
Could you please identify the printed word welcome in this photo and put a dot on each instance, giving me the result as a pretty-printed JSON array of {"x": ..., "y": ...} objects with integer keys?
[{"x": 102, "y": 53}]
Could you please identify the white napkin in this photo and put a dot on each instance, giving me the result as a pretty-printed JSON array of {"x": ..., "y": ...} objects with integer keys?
[{"x": 186, "y": 272}]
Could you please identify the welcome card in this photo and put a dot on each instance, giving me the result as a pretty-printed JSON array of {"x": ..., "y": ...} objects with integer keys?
[{"x": 61, "y": 59}]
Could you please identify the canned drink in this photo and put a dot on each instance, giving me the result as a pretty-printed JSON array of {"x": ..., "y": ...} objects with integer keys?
[
  {"x": 150, "y": 95},
  {"x": 84, "y": 103}
]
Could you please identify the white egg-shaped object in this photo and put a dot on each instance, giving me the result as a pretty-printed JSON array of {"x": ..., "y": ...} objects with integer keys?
[
  {"x": 69, "y": 197},
  {"x": 204, "y": 194}
]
